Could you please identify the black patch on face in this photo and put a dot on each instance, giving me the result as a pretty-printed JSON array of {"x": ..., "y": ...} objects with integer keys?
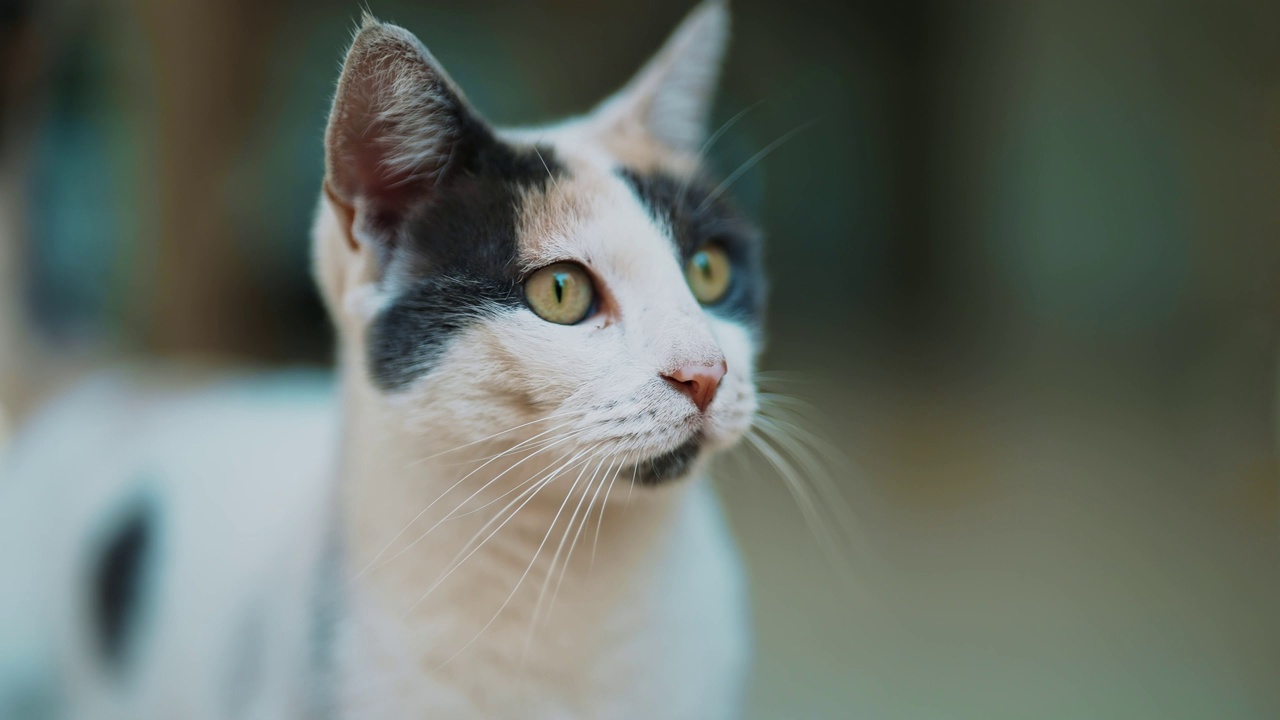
[
  {"x": 118, "y": 580},
  {"x": 455, "y": 252},
  {"x": 670, "y": 466},
  {"x": 684, "y": 205}
]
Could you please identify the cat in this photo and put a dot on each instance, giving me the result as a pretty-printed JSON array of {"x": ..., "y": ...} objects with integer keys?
[
  {"x": 545, "y": 335},
  {"x": 577, "y": 304}
]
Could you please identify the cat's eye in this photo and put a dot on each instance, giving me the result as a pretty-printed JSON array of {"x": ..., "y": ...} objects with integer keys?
[
  {"x": 561, "y": 293},
  {"x": 708, "y": 274}
]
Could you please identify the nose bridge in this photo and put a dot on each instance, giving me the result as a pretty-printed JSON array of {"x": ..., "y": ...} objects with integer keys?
[
  {"x": 665, "y": 322},
  {"x": 677, "y": 334}
]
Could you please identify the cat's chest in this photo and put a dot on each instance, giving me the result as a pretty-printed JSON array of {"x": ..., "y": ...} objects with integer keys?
[{"x": 564, "y": 653}]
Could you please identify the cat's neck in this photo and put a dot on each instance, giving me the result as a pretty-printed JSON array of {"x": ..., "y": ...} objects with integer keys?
[{"x": 534, "y": 582}]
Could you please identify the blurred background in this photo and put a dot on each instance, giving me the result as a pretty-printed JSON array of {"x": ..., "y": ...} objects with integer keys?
[{"x": 1026, "y": 270}]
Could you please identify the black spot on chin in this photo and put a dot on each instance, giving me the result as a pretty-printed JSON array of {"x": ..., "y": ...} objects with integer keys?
[
  {"x": 118, "y": 582},
  {"x": 671, "y": 465}
]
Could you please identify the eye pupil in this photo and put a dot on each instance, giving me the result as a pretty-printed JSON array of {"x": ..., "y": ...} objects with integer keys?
[
  {"x": 561, "y": 293},
  {"x": 708, "y": 273}
]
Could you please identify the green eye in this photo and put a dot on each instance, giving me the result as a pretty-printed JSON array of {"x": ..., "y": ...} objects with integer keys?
[
  {"x": 560, "y": 293},
  {"x": 708, "y": 273}
]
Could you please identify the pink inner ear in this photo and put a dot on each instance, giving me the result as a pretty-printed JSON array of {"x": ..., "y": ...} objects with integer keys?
[{"x": 394, "y": 122}]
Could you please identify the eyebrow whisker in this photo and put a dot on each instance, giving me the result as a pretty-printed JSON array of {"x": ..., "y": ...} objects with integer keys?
[{"x": 751, "y": 162}]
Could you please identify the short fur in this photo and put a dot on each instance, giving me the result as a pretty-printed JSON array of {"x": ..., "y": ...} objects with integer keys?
[
  {"x": 517, "y": 524},
  {"x": 428, "y": 226}
]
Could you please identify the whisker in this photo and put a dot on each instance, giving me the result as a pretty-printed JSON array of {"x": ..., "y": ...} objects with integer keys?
[
  {"x": 750, "y": 163},
  {"x": 532, "y": 446},
  {"x": 546, "y": 582},
  {"x": 481, "y": 489},
  {"x": 528, "y": 568},
  {"x": 554, "y": 416},
  {"x": 706, "y": 146},
  {"x": 603, "y": 506},
  {"x": 779, "y": 376},
  {"x": 457, "y": 563},
  {"x": 573, "y": 544},
  {"x": 817, "y": 476},
  {"x": 554, "y": 182},
  {"x": 635, "y": 470},
  {"x": 449, "y": 490},
  {"x": 536, "y": 476},
  {"x": 804, "y": 501}
]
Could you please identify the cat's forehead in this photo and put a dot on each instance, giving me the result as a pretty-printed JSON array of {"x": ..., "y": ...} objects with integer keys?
[
  {"x": 589, "y": 214},
  {"x": 590, "y": 208}
]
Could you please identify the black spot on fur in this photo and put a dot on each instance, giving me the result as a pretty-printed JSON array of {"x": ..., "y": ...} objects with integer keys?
[
  {"x": 672, "y": 465},
  {"x": 119, "y": 578},
  {"x": 686, "y": 208},
  {"x": 455, "y": 255}
]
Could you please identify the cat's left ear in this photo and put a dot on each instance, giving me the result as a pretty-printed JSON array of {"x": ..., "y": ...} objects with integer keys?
[
  {"x": 670, "y": 99},
  {"x": 398, "y": 127}
]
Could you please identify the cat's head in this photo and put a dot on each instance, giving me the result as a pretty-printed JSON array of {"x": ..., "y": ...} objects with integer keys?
[{"x": 584, "y": 288}]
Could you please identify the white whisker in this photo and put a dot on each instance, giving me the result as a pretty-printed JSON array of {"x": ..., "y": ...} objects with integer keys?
[
  {"x": 715, "y": 136},
  {"x": 546, "y": 582},
  {"x": 442, "y": 495},
  {"x": 804, "y": 500},
  {"x": 457, "y": 563},
  {"x": 527, "y": 569},
  {"x": 750, "y": 163},
  {"x": 554, "y": 416},
  {"x": 564, "y": 568},
  {"x": 603, "y": 506},
  {"x": 451, "y": 514}
]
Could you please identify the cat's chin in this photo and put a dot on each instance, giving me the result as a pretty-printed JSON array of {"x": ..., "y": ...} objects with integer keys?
[{"x": 671, "y": 465}]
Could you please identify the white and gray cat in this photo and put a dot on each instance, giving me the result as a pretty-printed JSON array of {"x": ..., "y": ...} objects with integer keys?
[{"x": 544, "y": 335}]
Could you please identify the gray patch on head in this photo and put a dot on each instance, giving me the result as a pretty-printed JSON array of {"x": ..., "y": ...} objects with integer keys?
[
  {"x": 695, "y": 216},
  {"x": 457, "y": 259}
]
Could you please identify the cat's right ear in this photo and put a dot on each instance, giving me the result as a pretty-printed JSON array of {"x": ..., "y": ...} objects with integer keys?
[{"x": 397, "y": 124}]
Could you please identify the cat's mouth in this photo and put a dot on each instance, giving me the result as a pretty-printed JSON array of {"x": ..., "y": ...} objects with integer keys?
[{"x": 671, "y": 465}]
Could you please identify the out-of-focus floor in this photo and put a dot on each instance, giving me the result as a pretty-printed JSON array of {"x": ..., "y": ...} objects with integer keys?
[{"x": 1040, "y": 544}]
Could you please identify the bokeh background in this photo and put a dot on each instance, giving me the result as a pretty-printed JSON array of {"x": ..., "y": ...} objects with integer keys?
[{"x": 1026, "y": 271}]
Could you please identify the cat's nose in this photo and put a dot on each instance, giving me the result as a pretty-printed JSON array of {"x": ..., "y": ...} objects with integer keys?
[{"x": 699, "y": 382}]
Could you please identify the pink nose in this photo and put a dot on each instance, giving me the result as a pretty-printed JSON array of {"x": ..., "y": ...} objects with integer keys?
[{"x": 699, "y": 382}]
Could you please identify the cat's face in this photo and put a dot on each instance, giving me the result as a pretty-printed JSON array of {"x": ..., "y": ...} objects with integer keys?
[{"x": 584, "y": 289}]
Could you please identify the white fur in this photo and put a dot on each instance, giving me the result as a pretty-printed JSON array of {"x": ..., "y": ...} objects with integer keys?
[
  {"x": 237, "y": 473},
  {"x": 594, "y": 600},
  {"x": 656, "y": 626},
  {"x": 541, "y": 619}
]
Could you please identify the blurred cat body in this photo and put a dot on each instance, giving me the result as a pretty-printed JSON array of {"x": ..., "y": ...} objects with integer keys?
[
  {"x": 518, "y": 524},
  {"x": 160, "y": 540}
]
